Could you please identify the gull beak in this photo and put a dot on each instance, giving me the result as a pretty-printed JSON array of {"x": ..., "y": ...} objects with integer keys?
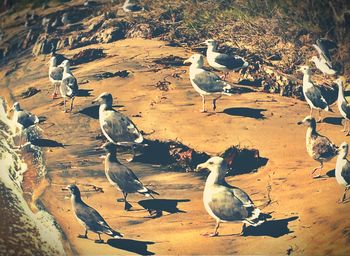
[
  {"x": 187, "y": 61},
  {"x": 65, "y": 189},
  {"x": 200, "y": 167},
  {"x": 95, "y": 100},
  {"x": 300, "y": 122}
]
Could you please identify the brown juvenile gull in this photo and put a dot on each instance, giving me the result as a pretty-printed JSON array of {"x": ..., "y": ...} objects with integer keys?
[
  {"x": 222, "y": 61},
  {"x": 122, "y": 177},
  {"x": 343, "y": 105},
  {"x": 206, "y": 82},
  {"x": 224, "y": 202},
  {"x": 342, "y": 169},
  {"x": 115, "y": 126},
  {"x": 312, "y": 94},
  {"x": 319, "y": 147},
  {"x": 89, "y": 218}
]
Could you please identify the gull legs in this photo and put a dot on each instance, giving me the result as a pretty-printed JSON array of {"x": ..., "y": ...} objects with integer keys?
[
  {"x": 203, "y": 110},
  {"x": 344, "y": 195},
  {"x": 55, "y": 91},
  {"x": 346, "y": 124},
  {"x": 130, "y": 159},
  {"x": 85, "y": 235},
  {"x": 214, "y": 102},
  {"x": 99, "y": 241},
  {"x": 215, "y": 233},
  {"x": 319, "y": 114},
  {"x": 320, "y": 168},
  {"x": 127, "y": 206}
]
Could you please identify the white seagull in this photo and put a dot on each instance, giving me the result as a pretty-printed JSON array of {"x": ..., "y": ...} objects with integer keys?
[
  {"x": 224, "y": 202},
  {"x": 69, "y": 86},
  {"x": 132, "y": 6},
  {"x": 23, "y": 119},
  {"x": 312, "y": 94},
  {"x": 115, "y": 126},
  {"x": 222, "y": 61},
  {"x": 343, "y": 105},
  {"x": 56, "y": 74},
  {"x": 206, "y": 82},
  {"x": 342, "y": 169}
]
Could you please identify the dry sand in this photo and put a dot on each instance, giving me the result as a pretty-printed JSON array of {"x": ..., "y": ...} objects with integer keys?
[{"x": 306, "y": 216}]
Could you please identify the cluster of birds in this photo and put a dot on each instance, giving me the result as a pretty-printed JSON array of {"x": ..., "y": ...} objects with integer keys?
[{"x": 225, "y": 203}]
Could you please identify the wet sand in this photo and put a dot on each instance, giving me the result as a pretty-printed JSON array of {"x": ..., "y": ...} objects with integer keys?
[{"x": 306, "y": 217}]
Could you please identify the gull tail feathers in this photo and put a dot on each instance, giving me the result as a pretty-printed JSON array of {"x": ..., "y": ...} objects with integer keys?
[{"x": 256, "y": 218}]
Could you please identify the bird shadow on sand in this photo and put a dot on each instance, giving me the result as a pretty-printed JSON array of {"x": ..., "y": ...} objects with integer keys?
[
  {"x": 245, "y": 112},
  {"x": 47, "y": 143},
  {"x": 156, "y": 207},
  {"x": 333, "y": 120},
  {"x": 330, "y": 174},
  {"x": 135, "y": 246},
  {"x": 90, "y": 111},
  {"x": 272, "y": 228},
  {"x": 84, "y": 92}
]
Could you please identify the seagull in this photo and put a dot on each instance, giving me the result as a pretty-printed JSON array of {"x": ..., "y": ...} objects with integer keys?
[
  {"x": 312, "y": 94},
  {"x": 55, "y": 75},
  {"x": 323, "y": 66},
  {"x": 343, "y": 105},
  {"x": 323, "y": 47},
  {"x": 69, "y": 86},
  {"x": 22, "y": 119},
  {"x": 115, "y": 126},
  {"x": 319, "y": 147},
  {"x": 205, "y": 82},
  {"x": 122, "y": 177},
  {"x": 221, "y": 61},
  {"x": 65, "y": 20},
  {"x": 224, "y": 202},
  {"x": 342, "y": 169},
  {"x": 132, "y": 6},
  {"x": 89, "y": 218}
]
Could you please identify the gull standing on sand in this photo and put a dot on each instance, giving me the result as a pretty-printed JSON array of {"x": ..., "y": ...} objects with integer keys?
[
  {"x": 319, "y": 147},
  {"x": 222, "y": 61},
  {"x": 22, "y": 119},
  {"x": 89, "y": 218},
  {"x": 312, "y": 94},
  {"x": 132, "y": 6},
  {"x": 342, "y": 169},
  {"x": 122, "y": 177},
  {"x": 224, "y": 202},
  {"x": 343, "y": 105},
  {"x": 205, "y": 82},
  {"x": 115, "y": 126},
  {"x": 56, "y": 74},
  {"x": 69, "y": 86}
]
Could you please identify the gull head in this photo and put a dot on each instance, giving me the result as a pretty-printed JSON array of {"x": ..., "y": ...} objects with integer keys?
[
  {"x": 343, "y": 150},
  {"x": 104, "y": 98},
  {"x": 195, "y": 59},
  {"x": 309, "y": 121},
  {"x": 16, "y": 106},
  {"x": 73, "y": 189},
  {"x": 210, "y": 42},
  {"x": 215, "y": 163},
  {"x": 65, "y": 63},
  {"x": 304, "y": 69}
]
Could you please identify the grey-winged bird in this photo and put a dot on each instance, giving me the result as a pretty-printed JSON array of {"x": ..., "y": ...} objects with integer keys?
[
  {"x": 89, "y": 218},
  {"x": 226, "y": 203}
]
